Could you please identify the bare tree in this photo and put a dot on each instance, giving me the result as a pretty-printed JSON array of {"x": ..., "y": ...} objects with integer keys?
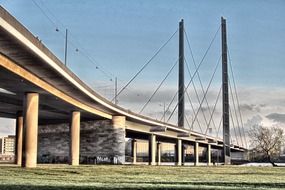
[{"x": 267, "y": 141}]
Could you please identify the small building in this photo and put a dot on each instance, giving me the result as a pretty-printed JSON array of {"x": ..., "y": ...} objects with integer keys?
[{"x": 7, "y": 145}]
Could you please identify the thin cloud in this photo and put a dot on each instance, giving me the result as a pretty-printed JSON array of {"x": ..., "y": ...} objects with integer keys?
[
  {"x": 277, "y": 117},
  {"x": 7, "y": 127}
]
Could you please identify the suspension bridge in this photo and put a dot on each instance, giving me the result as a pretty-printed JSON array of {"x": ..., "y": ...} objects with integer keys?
[{"x": 60, "y": 119}]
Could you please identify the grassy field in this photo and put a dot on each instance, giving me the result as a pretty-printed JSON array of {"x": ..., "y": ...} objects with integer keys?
[{"x": 141, "y": 177}]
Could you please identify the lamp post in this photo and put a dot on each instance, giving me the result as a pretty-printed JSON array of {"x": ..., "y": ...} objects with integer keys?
[
  {"x": 65, "y": 49},
  {"x": 65, "y": 45},
  {"x": 116, "y": 90}
]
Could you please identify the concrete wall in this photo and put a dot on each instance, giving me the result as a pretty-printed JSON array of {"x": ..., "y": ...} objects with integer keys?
[
  {"x": 239, "y": 155},
  {"x": 100, "y": 143}
]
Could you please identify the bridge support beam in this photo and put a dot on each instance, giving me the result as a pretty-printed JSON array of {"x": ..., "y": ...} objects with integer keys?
[
  {"x": 159, "y": 153},
  {"x": 74, "y": 138},
  {"x": 209, "y": 155},
  {"x": 178, "y": 152},
  {"x": 134, "y": 151},
  {"x": 152, "y": 149},
  {"x": 31, "y": 110},
  {"x": 196, "y": 153},
  {"x": 19, "y": 138}
]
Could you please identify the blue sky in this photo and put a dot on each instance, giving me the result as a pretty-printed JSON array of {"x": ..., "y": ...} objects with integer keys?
[
  {"x": 121, "y": 35},
  {"x": 124, "y": 34}
]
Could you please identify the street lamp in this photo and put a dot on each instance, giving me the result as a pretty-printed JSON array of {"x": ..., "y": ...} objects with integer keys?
[
  {"x": 65, "y": 49},
  {"x": 116, "y": 91},
  {"x": 65, "y": 46}
]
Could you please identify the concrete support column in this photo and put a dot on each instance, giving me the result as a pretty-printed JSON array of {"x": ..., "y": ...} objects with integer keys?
[
  {"x": 134, "y": 149},
  {"x": 31, "y": 110},
  {"x": 183, "y": 154},
  {"x": 209, "y": 154},
  {"x": 19, "y": 139},
  {"x": 179, "y": 152},
  {"x": 159, "y": 153},
  {"x": 118, "y": 139},
  {"x": 152, "y": 149},
  {"x": 119, "y": 122},
  {"x": 196, "y": 153},
  {"x": 74, "y": 138}
]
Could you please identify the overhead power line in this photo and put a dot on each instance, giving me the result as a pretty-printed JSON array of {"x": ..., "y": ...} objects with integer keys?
[
  {"x": 44, "y": 13},
  {"x": 78, "y": 48}
]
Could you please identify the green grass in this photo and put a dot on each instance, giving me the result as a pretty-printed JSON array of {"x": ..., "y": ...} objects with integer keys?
[{"x": 140, "y": 177}]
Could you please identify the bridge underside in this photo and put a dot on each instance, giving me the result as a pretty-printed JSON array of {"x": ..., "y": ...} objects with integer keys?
[
  {"x": 55, "y": 111},
  {"x": 51, "y": 108}
]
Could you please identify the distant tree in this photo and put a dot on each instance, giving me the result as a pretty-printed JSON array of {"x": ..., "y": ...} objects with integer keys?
[{"x": 267, "y": 141}]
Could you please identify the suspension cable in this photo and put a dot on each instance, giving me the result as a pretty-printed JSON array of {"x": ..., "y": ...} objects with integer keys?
[
  {"x": 207, "y": 88},
  {"x": 167, "y": 75},
  {"x": 168, "y": 107},
  {"x": 238, "y": 104},
  {"x": 197, "y": 96},
  {"x": 146, "y": 64},
  {"x": 191, "y": 104},
  {"x": 195, "y": 90},
  {"x": 235, "y": 112},
  {"x": 220, "y": 124},
  {"x": 211, "y": 117},
  {"x": 199, "y": 65},
  {"x": 187, "y": 122},
  {"x": 233, "y": 125},
  {"x": 199, "y": 78}
]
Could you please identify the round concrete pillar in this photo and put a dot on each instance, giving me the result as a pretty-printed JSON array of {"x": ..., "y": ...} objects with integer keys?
[
  {"x": 196, "y": 153},
  {"x": 119, "y": 121},
  {"x": 74, "y": 138},
  {"x": 19, "y": 139},
  {"x": 31, "y": 129},
  {"x": 209, "y": 154},
  {"x": 152, "y": 149},
  {"x": 159, "y": 153},
  {"x": 179, "y": 152},
  {"x": 134, "y": 149},
  {"x": 117, "y": 144}
]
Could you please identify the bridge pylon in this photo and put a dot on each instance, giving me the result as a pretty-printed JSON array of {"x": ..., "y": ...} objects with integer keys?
[
  {"x": 226, "y": 120},
  {"x": 181, "y": 90}
]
